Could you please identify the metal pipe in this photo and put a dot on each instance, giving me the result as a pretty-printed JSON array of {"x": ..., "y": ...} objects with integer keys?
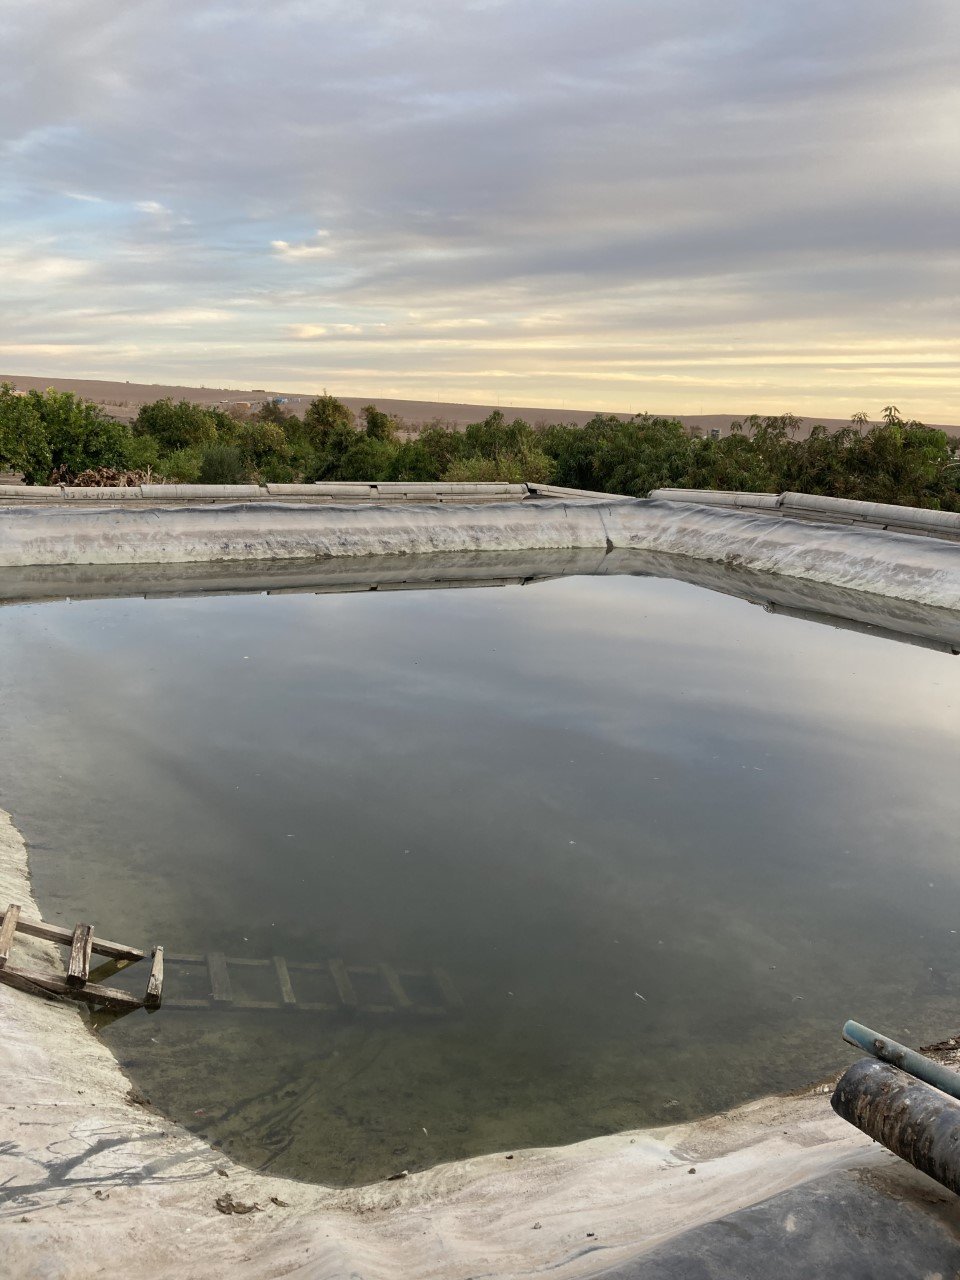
[
  {"x": 914, "y": 1121},
  {"x": 915, "y": 1064}
]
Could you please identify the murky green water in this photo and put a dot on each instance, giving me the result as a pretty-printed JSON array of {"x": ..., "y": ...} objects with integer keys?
[{"x": 662, "y": 842}]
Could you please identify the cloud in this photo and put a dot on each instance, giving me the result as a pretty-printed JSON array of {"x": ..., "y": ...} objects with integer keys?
[
  {"x": 33, "y": 265},
  {"x": 595, "y": 183},
  {"x": 307, "y": 332},
  {"x": 186, "y": 317},
  {"x": 315, "y": 248}
]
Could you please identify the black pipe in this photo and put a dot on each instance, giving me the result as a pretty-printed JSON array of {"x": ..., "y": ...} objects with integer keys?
[{"x": 912, "y": 1119}]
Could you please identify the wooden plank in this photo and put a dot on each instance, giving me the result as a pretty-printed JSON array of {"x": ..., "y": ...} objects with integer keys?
[
  {"x": 283, "y": 977},
  {"x": 392, "y": 979},
  {"x": 7, "y": 930},
  {"x": 256, "y": 1004},
  {"x": 348, "y": 997},
  {"x": 246, "y": 960},
  {"x": 186, "y": 1004},
  {"x": 81, "y": 946},
  {"x": 92, "y": 993},
  {"x": 179, "y": 958},
  {"x": 449, "y": 992},
  {"x": 219, "y": 978},
  {"x": 316, "y": 1006},
  {"x": 54, "y": 933},
  {"x": 155, "y": 982}
]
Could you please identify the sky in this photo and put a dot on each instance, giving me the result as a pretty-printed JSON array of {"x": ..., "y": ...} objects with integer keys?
[{"x": 678, "y": 206}]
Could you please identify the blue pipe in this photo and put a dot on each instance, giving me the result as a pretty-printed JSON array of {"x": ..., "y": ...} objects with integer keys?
[{"x": 915, "y": 1064}]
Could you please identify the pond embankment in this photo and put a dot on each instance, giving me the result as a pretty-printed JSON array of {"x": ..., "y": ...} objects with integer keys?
[{"x": 905, "y": 566}]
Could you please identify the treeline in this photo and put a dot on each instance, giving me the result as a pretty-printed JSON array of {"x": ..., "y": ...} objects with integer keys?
[{"x": 56, "y": 437}]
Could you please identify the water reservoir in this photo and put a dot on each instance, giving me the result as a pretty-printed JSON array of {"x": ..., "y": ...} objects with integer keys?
[{"x": 661, "y": 841}]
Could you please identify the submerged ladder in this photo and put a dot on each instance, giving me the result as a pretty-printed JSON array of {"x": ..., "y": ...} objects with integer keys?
[
  {"x": 351, "y": 988},
  {"x": 438, "y": 994},
  {"x": 78, "y": 983}
]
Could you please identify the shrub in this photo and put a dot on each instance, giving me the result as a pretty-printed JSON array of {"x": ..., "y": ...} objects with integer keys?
[
  {"x": 142, "y": 453},
  {"x": 222, "y": 464},
  {"x": 183, "y": 465},
  {"x": 509, "y": 468},
  {"x": 413, "y": 461}
]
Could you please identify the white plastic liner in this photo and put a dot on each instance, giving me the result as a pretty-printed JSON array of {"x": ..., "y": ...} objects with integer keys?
[
  {"x": 903, "y": 566},
  {"x": 906, "y": 567}
]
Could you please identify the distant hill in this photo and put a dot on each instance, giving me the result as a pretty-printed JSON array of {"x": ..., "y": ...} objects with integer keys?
[{"x": 123, "y": 399}]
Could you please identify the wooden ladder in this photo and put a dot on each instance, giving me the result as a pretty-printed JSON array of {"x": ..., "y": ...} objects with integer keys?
[
  {"x": 77, "y": 984},
  {"x": 390, "y": 995}
]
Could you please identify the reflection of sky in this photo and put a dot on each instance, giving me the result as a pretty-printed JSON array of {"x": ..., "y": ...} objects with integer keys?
[
  {"x": 694, "y": 688},
  {"x": 635, "y": 653}
]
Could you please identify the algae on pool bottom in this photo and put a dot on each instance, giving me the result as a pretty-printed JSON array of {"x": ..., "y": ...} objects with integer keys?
[{"x": 634, "y": 820}]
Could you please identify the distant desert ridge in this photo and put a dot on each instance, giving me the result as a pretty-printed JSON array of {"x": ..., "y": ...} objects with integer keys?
[{"x": 123, "y": 399}]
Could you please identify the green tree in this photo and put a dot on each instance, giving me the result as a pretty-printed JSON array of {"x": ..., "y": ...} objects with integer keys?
[
  {"x": 271, "y": 411},
  {"x": 78, "y": 434},
  {"x": 23, "y": 440},
  {"x": 573, "y": 451},
  {"x": 261, "y": 444},
  {"x": 642, "y": 454},
  {"x": 326, "y": 417},
  {"x": 377, "y": 424},
  {"x": 499, "y": 450},
  {"x": 366, "y": 459},
  {"x": 179, "y": 426}
]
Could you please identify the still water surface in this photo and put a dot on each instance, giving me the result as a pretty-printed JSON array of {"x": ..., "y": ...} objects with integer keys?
[{"x": 663, "y": 843}]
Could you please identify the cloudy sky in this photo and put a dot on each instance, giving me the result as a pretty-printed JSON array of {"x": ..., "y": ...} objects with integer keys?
[{"x": 677, "y": 205}]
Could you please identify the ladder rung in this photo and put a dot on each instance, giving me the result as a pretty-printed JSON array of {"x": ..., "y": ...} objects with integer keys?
[
  {"x": 7, "y": 930},
  {"x": 219, "y": 977},
  {"x": 81, "y": 947},
  {"x": 283, "y": 977}
]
